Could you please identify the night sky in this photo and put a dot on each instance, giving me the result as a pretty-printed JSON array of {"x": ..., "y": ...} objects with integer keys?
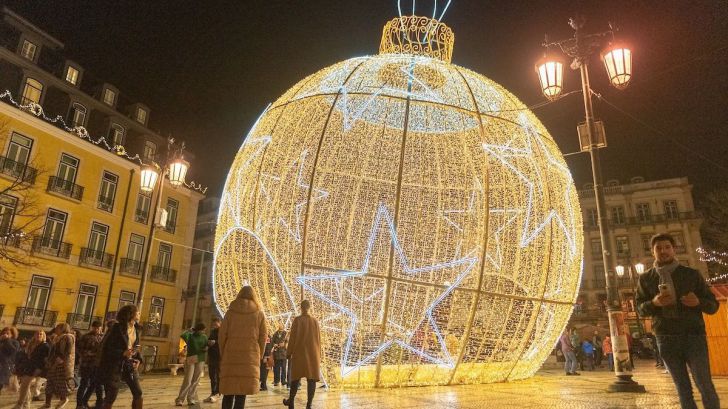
[{"x": 207, "y": 69}]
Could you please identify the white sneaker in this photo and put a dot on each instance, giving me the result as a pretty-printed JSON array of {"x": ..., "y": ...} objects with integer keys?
[{"x": 212, "y": 399}]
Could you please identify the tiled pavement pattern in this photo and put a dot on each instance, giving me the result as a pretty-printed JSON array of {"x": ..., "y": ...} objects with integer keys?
[{"x": 548, "y": 389}]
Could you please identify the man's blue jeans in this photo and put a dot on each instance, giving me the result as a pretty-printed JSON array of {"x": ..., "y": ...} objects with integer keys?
[
  {"x": 680, "y": 352},
  {"x": 570, "y": 364}
]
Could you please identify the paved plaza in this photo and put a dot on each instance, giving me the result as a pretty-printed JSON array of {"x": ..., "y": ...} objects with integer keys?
[{"x": 548, "y": 389}]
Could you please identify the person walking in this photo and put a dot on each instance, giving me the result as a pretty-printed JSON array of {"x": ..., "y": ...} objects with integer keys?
[
  {"x": 304, "y": 354},
  {"x": 676, "y": 297},
  {"x": 608, "y": 354},
  {"x": 120, "y": 358},
  {"x": 242, "y": 342},
  {"x": 280, "y": 363},
  {"x": 196, "y": 342},
  {"x": 213, "y": 361},
  {"x": 89, "y": 347},
  {"x": 9, "y": 347},
  {"x": 568, "y": 350},
  {"x": 588, "y": 349},
  {"x": 266, "y": 363},
  {"x": 37, "y": 352},
  {"x": 596, "y": 342},
  {"x": 61, "y": 366}
]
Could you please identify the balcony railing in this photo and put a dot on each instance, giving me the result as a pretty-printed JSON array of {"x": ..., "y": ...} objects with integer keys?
[
  {"x": 2, "y": 309},
  {"x": 65, "y": 188},
  {"x": 106, "y": 203},
  {"x": 598, "y": 284},
  {"x": 92, "y": 257},
  {"x": 10, "y": 240},
  {"x": 19, "y": 171},
  {"x": 50, "y": 247},
  {"x": 162, "y": 273},
  {"x": 131, "y": 266},
  {"x": 647, "y": 219},
  {"x": 35, "y": 317},
  {"x": 170, "y": 227},
  {"x": 141, "y": 216},
  {"x": 155, "y": 330},
  {"x": 82, "y": 322}
]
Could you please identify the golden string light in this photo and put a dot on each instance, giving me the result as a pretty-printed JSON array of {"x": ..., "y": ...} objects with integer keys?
[{"x": 423, "y": 210}]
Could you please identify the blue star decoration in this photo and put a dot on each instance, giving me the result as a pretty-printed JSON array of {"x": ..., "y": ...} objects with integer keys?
[{"x": 357, "y": 298}]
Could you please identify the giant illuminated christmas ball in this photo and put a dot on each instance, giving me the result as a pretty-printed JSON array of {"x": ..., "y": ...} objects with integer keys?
[{"x": 424, "y": 211}]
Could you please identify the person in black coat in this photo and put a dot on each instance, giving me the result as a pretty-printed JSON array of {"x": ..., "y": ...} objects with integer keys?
[
  {"x": 30, "y": 364},
  {"x": 120, "y": 357}
]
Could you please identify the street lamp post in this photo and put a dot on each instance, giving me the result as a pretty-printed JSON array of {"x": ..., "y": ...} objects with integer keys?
[
  {"x": 175, "y": 168},
  {"x": 639, "y": 268},
  {"x": 618, "y": 62}
]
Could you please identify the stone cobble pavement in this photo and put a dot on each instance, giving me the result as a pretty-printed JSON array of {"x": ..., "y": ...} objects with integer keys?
[{"x": 548, "y": 389}]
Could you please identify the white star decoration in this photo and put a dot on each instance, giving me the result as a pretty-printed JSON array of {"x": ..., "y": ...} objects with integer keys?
[{"x": 400, "y": 333}]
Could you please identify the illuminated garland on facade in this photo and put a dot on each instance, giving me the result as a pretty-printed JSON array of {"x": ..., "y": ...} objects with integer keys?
[
  {"x": 423, "y": 210},
  {"x": 36, "y": 110}
]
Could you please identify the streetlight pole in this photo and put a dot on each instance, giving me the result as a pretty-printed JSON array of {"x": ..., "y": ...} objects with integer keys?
[
  {"x": 175, "y": 168},
  {"x": 591, "y": 134}
]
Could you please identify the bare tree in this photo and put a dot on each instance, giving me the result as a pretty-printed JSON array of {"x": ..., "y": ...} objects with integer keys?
[
  {"x": 714, "y": 230},
  {"x": 20, "y": 217}
]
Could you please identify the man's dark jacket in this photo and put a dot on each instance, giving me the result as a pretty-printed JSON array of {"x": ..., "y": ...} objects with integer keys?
[{"x": 689, "y": 320}]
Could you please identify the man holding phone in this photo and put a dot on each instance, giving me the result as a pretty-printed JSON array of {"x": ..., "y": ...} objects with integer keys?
[{"x": 676, "y": 297}]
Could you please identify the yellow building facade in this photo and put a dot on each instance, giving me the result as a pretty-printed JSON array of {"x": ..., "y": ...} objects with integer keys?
[{"x": 74, "y": 224}]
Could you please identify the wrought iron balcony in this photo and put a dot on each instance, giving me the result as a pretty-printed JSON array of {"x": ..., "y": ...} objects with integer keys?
[
  {"x": 11, "y": 239},
  {"x": 93, "y": 257},
  {"x": 170, "y": 227},
  {"x": 17, "y": 170},
  {"x": 150, "y": 329},
  {"x": 2, "y": 309},
  {"x": 65, "y": 187},
  {"x": 141, "y": 216},
  {"x": 82, "y": 322},
  {"x": 106, "y": 203},
  {"x": 50, "y": 247},
  {"x": 163, "y": 273},
  {"x": 35, "y": 317},
  {"x": 131, "y": 266}
]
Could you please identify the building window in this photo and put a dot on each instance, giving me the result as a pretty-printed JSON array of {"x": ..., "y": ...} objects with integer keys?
[
  {"x": 67, "y": 168},
  {"x": 646, "y": 244},
  {"x": 622, "y": 246},
  {"x": 72, "y": 75},
  {"x": 141, "y": 116},
  {"x": 156, "y": 310},
  {"x": 126, "y": 298},
  {"x": 85, "y": 302},
  {"x": 643, "y": 212},
  {"x": 109, "y": 97},
  {"x": 618, "y": 215},
  {"x": 19, "y": 149},
  {"x": 599, "y": 281},
  {"x": 31, "y": 92},
  {"x": 596, "y": 247},
  {"x": 150, "y": 150},
  {"x": 671, "y": 209},
  {"x": 97, "y": 239},
  {"x": 172, "y": 211},
  {"x": 54, "y": 228},
  {"x": 136, "y": 247},
  {"x": 679, "y": 241},
  {"x": 144, "y": 202},
  {"x": 40, "y": 291},
  {"x": 29, "y": 49},
  {"x": 107, "y": 192},
  {"x": 164, "y": 257},
  {"x": 8, "y": 204},
  {"x": 77, "y": 115},
  {"x": 116, "y": 134},
  {"x": 591, "y": 217}
]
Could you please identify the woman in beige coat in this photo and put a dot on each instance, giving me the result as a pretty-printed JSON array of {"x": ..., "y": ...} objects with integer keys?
[
  {"x": 304, "y": 354},
  {"x": 242, "y": 341}
]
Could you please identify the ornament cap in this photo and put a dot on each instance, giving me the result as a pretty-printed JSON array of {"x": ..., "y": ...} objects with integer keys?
[{"x": 418, "y": 35}]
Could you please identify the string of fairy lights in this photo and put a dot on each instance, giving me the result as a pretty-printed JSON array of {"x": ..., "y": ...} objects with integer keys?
[
  {"x": 36, "y": 110},
  {"x": 423, "y": 209}
]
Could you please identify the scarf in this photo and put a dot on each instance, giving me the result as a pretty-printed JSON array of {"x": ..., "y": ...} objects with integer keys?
[{"x": 665, "y": 273}]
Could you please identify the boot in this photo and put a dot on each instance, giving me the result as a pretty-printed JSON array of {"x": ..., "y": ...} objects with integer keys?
[
  {"x": 137, "y": 403},
  {"x": 106, "y": 405},
  {"x": 288, "y": 403}
]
